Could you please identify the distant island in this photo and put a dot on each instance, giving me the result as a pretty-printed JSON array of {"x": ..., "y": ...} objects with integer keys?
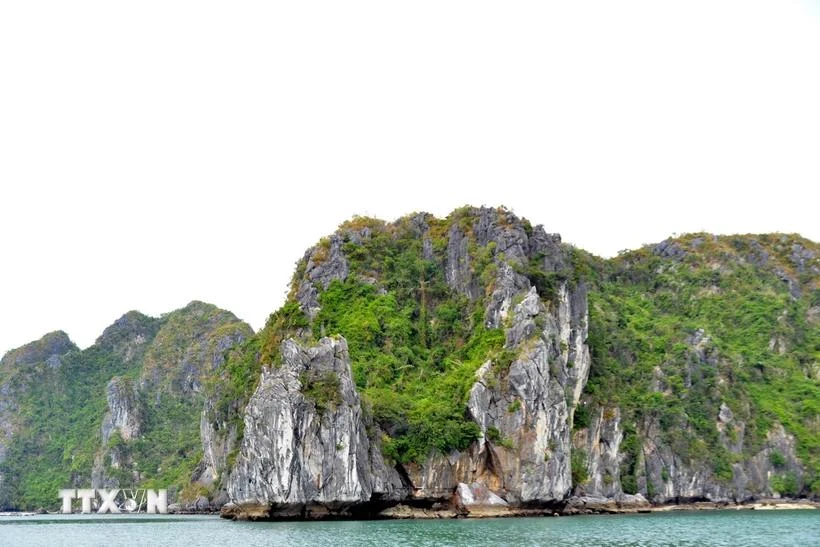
[{"x": 474, "y": 365}]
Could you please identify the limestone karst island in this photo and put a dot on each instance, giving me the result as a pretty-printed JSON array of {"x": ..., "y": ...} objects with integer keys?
[{"x": 468, "y": 366}]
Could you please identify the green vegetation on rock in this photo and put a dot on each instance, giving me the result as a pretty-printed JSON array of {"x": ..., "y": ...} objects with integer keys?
[
  {"x": 414, "y": 343},
  {"x": 60, "y": 406},
  {"x": 680, "y": 328},
  {"x": 708, "y": 344}
]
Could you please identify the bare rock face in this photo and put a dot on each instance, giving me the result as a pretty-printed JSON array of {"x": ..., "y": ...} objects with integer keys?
[
  {"x": 764, "y": 473},
  {"x": 601, "y": 443},
  {"x": 124, "y": 412},
  {"x": 218, "y": 440},
  {"x": 523, "y": 408},
  {"x": 512, "y": 245},
  {"x": 508, "y": 284},
  {"x": 458, "y": 274},
  {"x": 307, "y": 453},
  {"x": 323, "y": 264},
  {"x": 669, "y": 249},
  {"x": 477, "y": 494},
  {"x": 306, "y": 450},
  {"x": 218, "y": 435},
  {"x": 123, "y": 417},
  {"x": 665, "y": 476}
]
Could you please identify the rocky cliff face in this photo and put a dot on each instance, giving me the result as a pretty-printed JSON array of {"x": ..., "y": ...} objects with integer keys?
[
  {"x": 219, "y": 439},
  {"x": 124, "y": 422},
  {"x": 667, "y": 476},
  {"x": 523, "y": 409},
  {"x": 176, "y": 354},
  {"x": 522, "y": 400},
  {"x": 129, "y": 336},
  {"x": 306, "y": 449},
  {"x": 124, "y": 413},
  {"x": 445, "y": 366},
  {"x": 323, "y": 264},
  {"x": 601, "y": 443},
  {"x": 306, "y": 457},
  {"x": 528, "y": 451}
]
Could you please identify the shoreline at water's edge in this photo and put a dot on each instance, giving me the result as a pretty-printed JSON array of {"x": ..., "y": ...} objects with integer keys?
[
  {"x": 764, "y": 504},
  {"x": 589, "y": 507},
  {"x": 402, "y": 511}
]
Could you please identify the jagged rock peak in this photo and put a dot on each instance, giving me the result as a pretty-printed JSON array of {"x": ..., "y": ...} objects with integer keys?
[
  {"x": 450, "y": 242},
  {"x": 202, "y": 314},
  {"x": 198, "y": 307},
  {"x": 189, "y": 343},
  {"x": 47, "y": 349},
  {"x": 129, "y": 334},
  {"x": 128, "y": 323}
]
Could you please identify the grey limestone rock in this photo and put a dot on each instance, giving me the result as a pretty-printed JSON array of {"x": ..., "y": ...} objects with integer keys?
[
  {"x": 664, "y": 475},
  {"x": 218, "y": 440},
  {"x": 477, "y": 494},
  {"x": 792, "y": 284},
  {"x": 125, "y": 416},
  {"x": 548, "y": 248},
  {"x": 323, "y": 264},
  {"x": 757, "y": 254},
  {"x": 669, "y": 249},
  {"x": 421, "y": 228},
  {"x": 189, "y": 346},
  {"x": 670, "y": 477},
  {"x": 508, "y": 284},
  {"x": 300, "y": 454},
  {"x": 524, "y": 412},
  {"x": 803, "y": 259},
  {"x": 601, "y": 442},
  {"x": 458, "y": 274},
  {"x": 124, "y": 412},
  {"x": 673, "y": 478},
  {"x": 725, "y": 415},
  {"x": 505, "y": 230}
]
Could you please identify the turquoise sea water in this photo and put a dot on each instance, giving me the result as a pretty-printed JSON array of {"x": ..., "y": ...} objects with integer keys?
[{"x": 747, "y": 528}]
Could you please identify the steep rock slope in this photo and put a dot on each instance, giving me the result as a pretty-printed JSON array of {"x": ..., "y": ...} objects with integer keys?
[
  {"x": 469, "y": 340},
  {"x": 704, "y": 382},
  {"x": 443, "y": 364},
  {"x": 124, "y": 412},
  {"x": 151, "y": 430},
  {"x": 306, "y": 447},
  {"x": 467, "y": 345}
]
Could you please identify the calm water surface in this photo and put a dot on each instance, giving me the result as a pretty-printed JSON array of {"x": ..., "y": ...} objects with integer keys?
[{"x": 748, "y": 528}]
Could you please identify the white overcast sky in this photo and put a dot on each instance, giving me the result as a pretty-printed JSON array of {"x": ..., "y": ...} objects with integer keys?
[{"x": 156, "y": 152}]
